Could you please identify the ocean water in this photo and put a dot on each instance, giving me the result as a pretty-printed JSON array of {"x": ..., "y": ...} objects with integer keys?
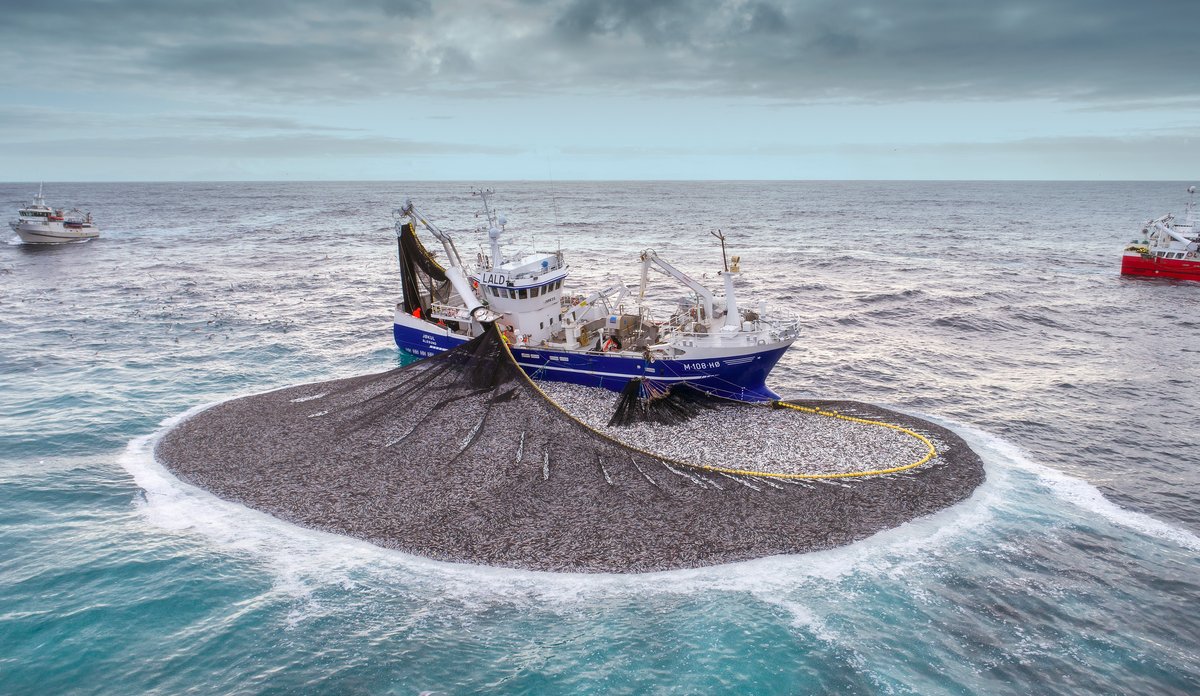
[{"x": 993, "y": 308}]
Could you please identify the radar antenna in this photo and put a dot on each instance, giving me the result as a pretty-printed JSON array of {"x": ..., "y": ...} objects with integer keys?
[{"x": 489, "y": 214}]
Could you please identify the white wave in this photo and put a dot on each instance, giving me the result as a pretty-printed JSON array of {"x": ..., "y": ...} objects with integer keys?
[
  {"x": 298, "y": 558},
  {"x": 805, "y": 618},
  {"x": 903, "y": 554},
  {"x": 1082, "y": 494},
  {"x": 301, "y": 559},
  {"x": 290, "y": 552}
]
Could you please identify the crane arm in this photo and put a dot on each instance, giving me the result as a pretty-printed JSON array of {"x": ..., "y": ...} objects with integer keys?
[
  {"x": 447, "y": 242},
  {"x": 1163, "y": 224},
  {"x": 584, "y": 310},
  {"x": 454, "y": 273},
  {"x": 706, "y": 297}
]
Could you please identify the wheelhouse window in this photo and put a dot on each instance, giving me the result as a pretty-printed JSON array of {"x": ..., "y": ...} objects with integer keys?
[{"x": 523, "y": 294}]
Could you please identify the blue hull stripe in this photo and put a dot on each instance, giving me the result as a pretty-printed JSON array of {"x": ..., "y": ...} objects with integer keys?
[
  {"x": 741, "y": 377},
  {"x": 535, "y": 367}
]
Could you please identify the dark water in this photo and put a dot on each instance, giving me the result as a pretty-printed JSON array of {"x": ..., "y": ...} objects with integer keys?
[{"x": 993, "y": 308}]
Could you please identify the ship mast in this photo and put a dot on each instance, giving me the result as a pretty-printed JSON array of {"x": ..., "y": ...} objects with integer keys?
[
  {"x": 733, "y": 316},
  {"x": 495, "y": 225}
]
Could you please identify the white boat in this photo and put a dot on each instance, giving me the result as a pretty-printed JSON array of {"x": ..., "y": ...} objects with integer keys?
[
  {"x": 40, "y": 224},
  {"x": 605, "y": 339}
]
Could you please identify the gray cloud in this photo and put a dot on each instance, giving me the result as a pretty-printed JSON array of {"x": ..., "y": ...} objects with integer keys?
[
  {"x": 247, "y": 122},
  {"x": 1147, "y": 145},
  {"x": 661, "y": 22},
  {"x": 16, "y": 119},
  {"x": 765, "y": 18},
  {"x": 277, "y": 146},
  {"x": 20, "y": 118},
  {"x": 1142, "y": 146},
  {"x": 1085, "y": 50},
  {"x": 407, "y": 8},
  {"x": 292, "y": 66},
  {"x": 1165, "y": 104}
]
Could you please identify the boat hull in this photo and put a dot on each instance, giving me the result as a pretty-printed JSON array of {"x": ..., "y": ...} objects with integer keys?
[
  {"x": 51, "y": 233},
  {"x": 1157, "y": 267},
  {"x": 740, "y": 376}
]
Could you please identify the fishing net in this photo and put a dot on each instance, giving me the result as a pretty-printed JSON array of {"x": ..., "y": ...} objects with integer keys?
[
  {"x": 461, "y": 457},
  {"x": 422, "y": 278},
  {"x": 646, "y": 402}
]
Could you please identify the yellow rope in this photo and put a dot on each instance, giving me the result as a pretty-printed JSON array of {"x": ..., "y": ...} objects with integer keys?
[{"x": 930, "y": 454}]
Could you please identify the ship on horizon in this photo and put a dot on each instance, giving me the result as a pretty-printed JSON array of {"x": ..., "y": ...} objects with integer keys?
[{"x": 1167, "y": 248}]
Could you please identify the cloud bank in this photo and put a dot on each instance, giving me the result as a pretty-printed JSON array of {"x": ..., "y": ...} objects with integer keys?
[{"x": 805, "y": 51}]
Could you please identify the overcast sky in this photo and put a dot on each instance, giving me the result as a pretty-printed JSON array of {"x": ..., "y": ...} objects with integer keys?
[{"x": 599, "y": 89}]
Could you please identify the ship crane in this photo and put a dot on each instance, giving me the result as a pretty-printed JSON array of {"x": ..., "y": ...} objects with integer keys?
[
  {"x": 1164, "y": 226},
  {"x": 607, "y": 300},
  {"x": 732, "y": 315},
  {"x": 454, "y": 273}
]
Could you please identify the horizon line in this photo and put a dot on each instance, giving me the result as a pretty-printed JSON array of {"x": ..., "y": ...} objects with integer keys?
[{"x": 561, "y": 181}]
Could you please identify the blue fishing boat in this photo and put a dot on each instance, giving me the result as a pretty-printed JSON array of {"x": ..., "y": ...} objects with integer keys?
[{"x": 602, "y": 339}]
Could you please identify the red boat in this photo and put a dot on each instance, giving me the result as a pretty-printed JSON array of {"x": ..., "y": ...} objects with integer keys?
[{"x": 1167, "y": 249}]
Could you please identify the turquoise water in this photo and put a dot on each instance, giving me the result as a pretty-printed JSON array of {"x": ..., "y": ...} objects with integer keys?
[{"x": 1074, "y": 569}]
